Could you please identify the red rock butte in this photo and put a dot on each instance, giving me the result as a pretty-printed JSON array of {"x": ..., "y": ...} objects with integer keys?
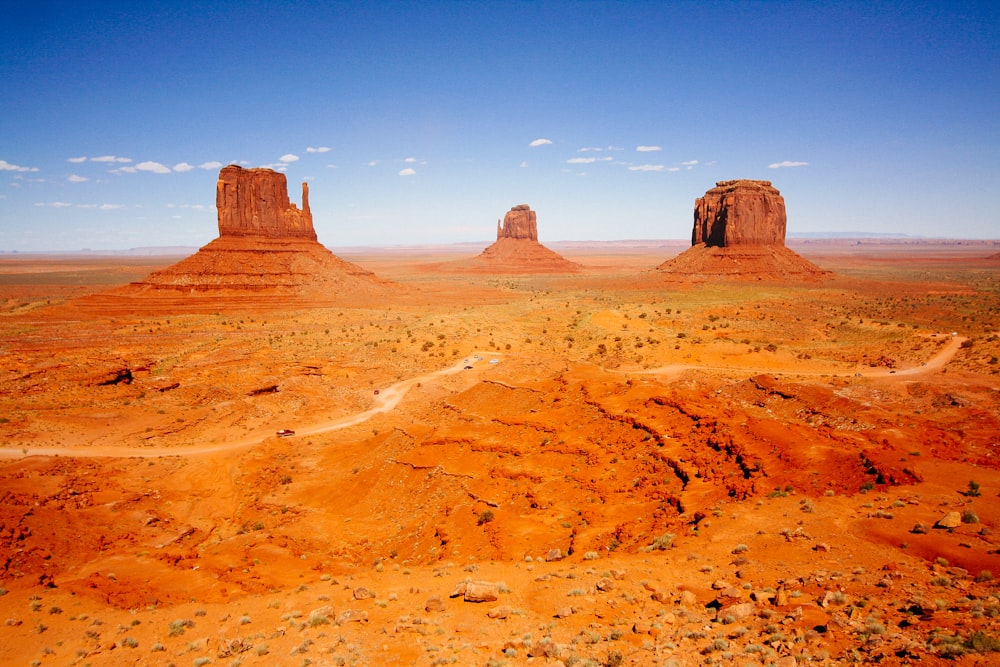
[
  {"x": 739, "y": 233},
  {"x": 516, "y": 250},
  {"x": 266, "y": 256}
]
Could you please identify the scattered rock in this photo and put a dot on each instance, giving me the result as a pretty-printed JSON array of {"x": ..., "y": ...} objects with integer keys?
[
  {"x": 563, "y": 612},
  {"x": 501, "y": 612},
  {"x": 604, "y": 585},
  {"x": 688, "y": 598},
  {"x": 352, "y": 616},
  {"x": 481, "y": 591},
  {"x": 362, "y": 593},
  {"x": 949, "y": 520},
  {"x": 435, "y": 604},
  {"x": 554, "y": 554},
  {"x": 739, "y": 611},
  {"x": 920, "y": 529}
]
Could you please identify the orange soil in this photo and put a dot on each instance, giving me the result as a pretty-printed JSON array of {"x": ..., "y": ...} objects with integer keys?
[{"x": 789, "y": 438}]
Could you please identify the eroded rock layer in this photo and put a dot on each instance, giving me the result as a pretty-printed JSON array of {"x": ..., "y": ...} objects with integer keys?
[
  {"x": 740, "y": 212},
  {"x": 266, "y": 256},
  {"x": 519, "y": 223},
  {"x": 739, "y": 234},
  {"x": 254, "y": 202}
]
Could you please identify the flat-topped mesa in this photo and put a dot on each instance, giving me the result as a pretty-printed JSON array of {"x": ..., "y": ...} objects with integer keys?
[
  {"x": 254, "y": 202},
  {"x": 741, "y": 212},
  {"x": 519, "y": 223}
]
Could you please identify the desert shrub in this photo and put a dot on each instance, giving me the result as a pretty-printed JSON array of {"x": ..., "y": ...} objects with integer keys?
[
  {"x": 984, "y": 575},
  {"x": 968, "y": 516},
  {"x": 663, "y": 542},
  {"x": 740, "y": 548},
  {"x": 485, "y": 517},
  {"x": 131, "y": 642},
  {"x": 973, "y": 490},
  {"x": 179, "y": 626}
]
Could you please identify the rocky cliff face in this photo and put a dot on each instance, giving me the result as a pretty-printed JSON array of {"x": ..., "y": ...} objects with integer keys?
[
  {"x": 742, "y": 212},
  {"x": 254, "y": 202},
  {"x": 519, "y": 223}
]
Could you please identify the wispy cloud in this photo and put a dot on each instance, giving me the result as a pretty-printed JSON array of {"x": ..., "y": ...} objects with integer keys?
[
  {"x": 154, "y": 167},
  {"x": 7, "y": 166},
  {"x": 111, "y": 207},
  {"x": 786, "y": 163},
  {"x": 411, "y": 160},
  {"x": 288, "y": 157},
  {"x": 183, "y": 166},
  {"x": 587, "y": 160},
  {"x": 407, "y": 172},
  {"x": 647, "y": 167},
  {"x": 689, "y": 163},
  {"x": 318, "y": 149},
  {"x": 73, "y": 178},
  {"x": 372, "y": 163},
  {"x": 77, "y": 160},
  {"x": 210, "y": 165},
  {"x": 648, "y": 149},
  {"x": 110, "y": 158},
  {"x": 53, "y": 204},
  {"x": 540, "y": 142},
  {"x": 598, "y": 149},
  {"x": 524, "y": 164}
]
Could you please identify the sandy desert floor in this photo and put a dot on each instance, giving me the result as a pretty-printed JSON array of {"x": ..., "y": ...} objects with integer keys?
[{"x": 604, "y": 468}]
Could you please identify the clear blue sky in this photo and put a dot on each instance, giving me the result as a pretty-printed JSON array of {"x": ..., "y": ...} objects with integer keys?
[{"x": 425, "y": 122}]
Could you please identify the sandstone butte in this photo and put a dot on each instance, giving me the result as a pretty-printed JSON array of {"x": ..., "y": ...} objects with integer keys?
[
  {"x": 739, "y": 233},
  {"x": 266, "y": 255},
  {"x": 516, "y": 250}
]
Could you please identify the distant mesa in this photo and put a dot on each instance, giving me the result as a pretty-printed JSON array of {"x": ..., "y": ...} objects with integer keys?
[
  {"x": 739, "y": 233},
  {"x": 266, "y": 255},
  {"x": 516, "y": 250}
]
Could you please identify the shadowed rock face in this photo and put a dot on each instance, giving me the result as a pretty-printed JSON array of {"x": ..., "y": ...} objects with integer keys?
[
  {"x": 254, "y": 202},
  {"x": 519, "y": 223},
  {"x": 741, "y": 212}
]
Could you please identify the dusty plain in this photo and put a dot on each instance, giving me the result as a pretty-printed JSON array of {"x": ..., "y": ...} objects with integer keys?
[{"x": 626, "y": 470}]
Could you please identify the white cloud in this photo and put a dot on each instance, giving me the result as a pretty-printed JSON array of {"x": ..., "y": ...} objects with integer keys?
[
  {"x": 407, "y": 172},
  {"x": 77, "y": 160},
  {"x": 288, "y": 157},
  {"x": 318, "y": 149},
  {"x": 7, "y": 166},
  {"x": 373, "y": 163},
  {"x": 111, "y": 207},
  {"x": 54, "y": 204},
  {"x": 110, "y": 158},
  {"x": 587, "y": 160},
  {"x": 124, "y": 170},
  {"x": 73, "y": 178},
  {"x": 410, "y": 159},
  {"x": 587, "y": 149},
  {"x": 331, "y": 166},
  {"x": 648, "y": 149},
  {"x": 154, "y": 167},
  {"x": 540, "y": 142},
  {"x": 689, "y": 163},
  {"x": 183, "y": 166},
  {"x": 786, "y": 163},
  {"x": 647, "y": 167},
  {"x": 210, "y": 165},
  {"x": 523, "y": 165}
]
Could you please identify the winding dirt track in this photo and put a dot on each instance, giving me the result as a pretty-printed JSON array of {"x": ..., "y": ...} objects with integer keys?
[{"x": 390, "y": 397}]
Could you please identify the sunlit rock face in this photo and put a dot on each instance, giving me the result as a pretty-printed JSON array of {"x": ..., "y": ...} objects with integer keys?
[
  {"x": 519, "y": 223},
  {"x": 254, "y": 202},
  {"x": 741, "y": 212}
]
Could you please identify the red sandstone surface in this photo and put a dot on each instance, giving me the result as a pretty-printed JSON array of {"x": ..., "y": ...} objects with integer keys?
[{"x": 650, "y": 474}]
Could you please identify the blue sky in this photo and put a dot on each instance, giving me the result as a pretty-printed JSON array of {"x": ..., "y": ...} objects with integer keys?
[{"x": 424, "y": 122}]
